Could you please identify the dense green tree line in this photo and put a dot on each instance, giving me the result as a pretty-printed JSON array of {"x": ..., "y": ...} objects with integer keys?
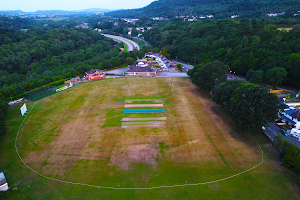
[
  {"x": 218, "y": 8},
  {"x": 244, "y": 45},
  {"x": 290, "y": 153},
  {"x": 251, "y": 106},
  {"x": 208, "y": 75},
  {"x": 3, "y": 112},
  {"x": 56, "y": 55}
]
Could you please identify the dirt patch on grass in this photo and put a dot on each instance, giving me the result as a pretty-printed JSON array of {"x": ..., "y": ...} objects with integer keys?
[
  {"x": 214, "y": 186},
  {"x": 77, "y": 118},
  {"x": 124, "y": 157}
]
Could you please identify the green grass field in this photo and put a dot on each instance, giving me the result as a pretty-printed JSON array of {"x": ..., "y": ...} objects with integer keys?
[{"x": 76, "y": 136}]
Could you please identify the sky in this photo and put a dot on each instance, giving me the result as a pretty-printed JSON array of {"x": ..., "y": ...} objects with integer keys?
[{"x": 34, "y": 5}]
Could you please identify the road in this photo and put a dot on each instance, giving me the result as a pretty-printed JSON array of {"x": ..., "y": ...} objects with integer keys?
[
  {"x": 268, "y": 86},
  {"x": 131, "y": 44},
  {"x": 145, "y": 42},
  {"x": 184, "y": 66},
  {"x": 273, "y": 130}
]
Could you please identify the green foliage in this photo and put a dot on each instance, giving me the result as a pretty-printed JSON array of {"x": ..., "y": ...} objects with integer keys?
[
  {"x": 164, "y": 53},
  {"x": 276, "y": 75},
  {"x": 3, "y": 112},
  {"x": 242, "y": 44},
  {"x": 219, "y": 8},
  {"x": 282, "y": 144},
  {"x": 251, "y": 105},
  {"x": 290, "y": 153},
  {"x": 208, "y": 75},
  {"x": 257, "y": 77},
  {"x": 223, "y": 93},
  {"x": 294, "y": 74}
]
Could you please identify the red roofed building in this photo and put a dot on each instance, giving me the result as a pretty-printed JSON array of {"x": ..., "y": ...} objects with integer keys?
[{"x": 94, "y": 74}]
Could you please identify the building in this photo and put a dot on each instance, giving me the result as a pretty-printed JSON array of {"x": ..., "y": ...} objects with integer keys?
[
  {"x": 292, "y": 117},
  {"x": 73, "y": 80},
  {"x": 94, "y": 74},
  {"x": 172, "y": 68},
  {"x": 141, "y": 71}
]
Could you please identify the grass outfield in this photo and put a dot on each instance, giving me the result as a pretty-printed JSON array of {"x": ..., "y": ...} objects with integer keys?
[{"x": 75, "y": 136}]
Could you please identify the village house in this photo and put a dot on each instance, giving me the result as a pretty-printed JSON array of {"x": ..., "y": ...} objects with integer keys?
[
  {"x": 94, "y": 74},
  {"x": 172, "y": 68},
  {"x": 292, "y": 117},
  {"x": 141, "y": 71}
]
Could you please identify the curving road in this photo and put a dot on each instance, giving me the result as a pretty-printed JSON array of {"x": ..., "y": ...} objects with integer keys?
[{"x": 131, "y": 44}]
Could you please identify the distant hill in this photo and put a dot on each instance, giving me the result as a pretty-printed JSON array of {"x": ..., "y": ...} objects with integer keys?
[
  {"x": 97, "y": 10},
  {"x": 218, "y": 8},
  {"x": 54, "y": 12}
]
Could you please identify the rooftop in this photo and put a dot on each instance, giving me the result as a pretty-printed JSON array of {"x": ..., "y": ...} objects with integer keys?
[
  {"x": 141, "y": 69},
  {"x": 296, "y": 114},
  {"x": 93, "y": 71}
]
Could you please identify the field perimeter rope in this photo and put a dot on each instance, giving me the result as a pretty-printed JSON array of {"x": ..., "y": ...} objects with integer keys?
[{"x": 119, "y": 188}]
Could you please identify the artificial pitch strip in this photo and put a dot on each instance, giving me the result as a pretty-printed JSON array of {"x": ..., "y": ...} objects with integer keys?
[{"x": 145, "y": 113}]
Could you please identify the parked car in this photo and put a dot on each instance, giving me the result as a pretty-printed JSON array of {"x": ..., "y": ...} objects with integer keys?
[{"x": 283, "y": 132}]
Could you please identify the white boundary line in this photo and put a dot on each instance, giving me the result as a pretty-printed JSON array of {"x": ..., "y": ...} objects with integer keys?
[{"x": 120, "y": 188}]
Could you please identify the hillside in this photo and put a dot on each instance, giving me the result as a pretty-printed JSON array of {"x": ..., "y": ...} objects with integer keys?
[
  {"x": 218, "y": 8},
  {"x": 244, "y": 45}
]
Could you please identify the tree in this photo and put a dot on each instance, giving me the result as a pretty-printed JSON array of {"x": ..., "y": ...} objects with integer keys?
[
  {"x": 292, "y": 158},
  {"x": 252, "y": 107},
  {"x": 209, "y": 75},
  {"x": 223, "y": 92},
  {"x": 164, "y": 53},
  {"x": 294, "y": 74},
  {"x": 3, "y": 112},
  {"x": 276, "y": 75},
  {"x": 257, "y": 77}
]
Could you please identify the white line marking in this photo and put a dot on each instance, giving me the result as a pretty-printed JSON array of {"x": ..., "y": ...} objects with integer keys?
[{"x": 114, "y": 188}]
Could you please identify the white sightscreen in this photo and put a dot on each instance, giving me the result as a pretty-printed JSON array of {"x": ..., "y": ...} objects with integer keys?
[
  {"x": 3, "y": 183},
  {"x": 23, "y": 109}
]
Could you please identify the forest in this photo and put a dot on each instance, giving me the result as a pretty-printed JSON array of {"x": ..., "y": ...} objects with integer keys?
[
  {"x": 49, "y": 55},
  {"x": 218, "y": 8},
  {"x": 253, "y": 47}
]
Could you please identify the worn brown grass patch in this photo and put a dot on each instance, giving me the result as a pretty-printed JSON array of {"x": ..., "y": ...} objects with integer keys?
[{"x": 196, "y": 132}]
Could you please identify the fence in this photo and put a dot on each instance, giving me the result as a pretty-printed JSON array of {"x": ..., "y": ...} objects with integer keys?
[{"x": 43, "y": 92}]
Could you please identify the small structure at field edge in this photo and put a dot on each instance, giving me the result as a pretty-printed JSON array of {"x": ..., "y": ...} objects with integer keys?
[
  {"x": 3, "y": 183},
  {"x": 73, "y": 80},
  {"x": 94, "y": 74}
]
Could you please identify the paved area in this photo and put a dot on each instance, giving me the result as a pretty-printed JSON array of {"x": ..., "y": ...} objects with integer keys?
[
  {"x": 172, "y": 74},
  {"x": 117, "y": 71},
  {"x": 184, "y": 66},
  {"x": 131, "y": 44},
  {"x": 160, "y": 74},
  {"x": 145, "y": 42}
]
